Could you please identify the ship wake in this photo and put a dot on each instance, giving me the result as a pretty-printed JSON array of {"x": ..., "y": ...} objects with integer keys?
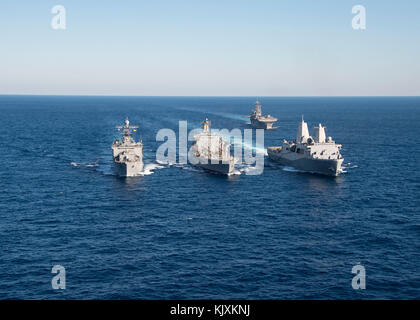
[
  {"x": 150, "y": 168},
  {"x": 85, "y": 164}
]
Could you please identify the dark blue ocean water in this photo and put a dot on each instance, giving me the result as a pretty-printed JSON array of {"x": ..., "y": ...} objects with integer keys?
[{"x": 183, "y": 233}]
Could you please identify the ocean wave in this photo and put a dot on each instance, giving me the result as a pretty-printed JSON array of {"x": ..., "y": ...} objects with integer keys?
[{"x": 150, "y": 168}]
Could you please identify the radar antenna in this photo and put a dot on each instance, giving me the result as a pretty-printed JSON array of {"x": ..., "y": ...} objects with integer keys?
[{"x": 127, "y": 128}]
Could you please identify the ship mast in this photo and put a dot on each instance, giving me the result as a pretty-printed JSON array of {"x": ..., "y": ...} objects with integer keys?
[
  {"x": 320, "y": 134},
  {"x": 127, "y": 128},
  {"x": 127, "y": 131},
  {"x": 303, "y": 132},
  {"x": 206, "y": 125},
  {"x": 257, "y": 108}
]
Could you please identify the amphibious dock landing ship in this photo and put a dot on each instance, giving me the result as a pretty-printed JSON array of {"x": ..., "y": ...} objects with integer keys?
[
  {"x": 317, "y": 155},
  {"x": 211, "y": 152},
  {"x": 128, "y": 154},
  {"x": 259, "y": 121}
]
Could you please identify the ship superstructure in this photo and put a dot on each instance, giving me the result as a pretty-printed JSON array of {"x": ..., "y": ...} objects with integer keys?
[
  {"x": 259, "y": 121},
  {"x": 318, "y": 155},
  {"x": 211, "y": 151},
  {"x": 127, "y": 153}
]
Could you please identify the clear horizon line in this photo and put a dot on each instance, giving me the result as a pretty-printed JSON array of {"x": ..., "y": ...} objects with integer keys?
[{"x": 214, "y": 96}]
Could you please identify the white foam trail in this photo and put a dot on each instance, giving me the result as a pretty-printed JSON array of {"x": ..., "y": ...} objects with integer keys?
[
  {"x": 169, "y": 164},
  {"x": 245, "y": 168},
  {"x": 291, "y": 169},
  {"x": 165, "y": 162},
  {"x": 250, "y": 169},
  {"x": 150, "y": 168},
  {"x": 347, "y": 167},
  {"x": 235, "y": 173},
  {"x": 84, "y": 164}
]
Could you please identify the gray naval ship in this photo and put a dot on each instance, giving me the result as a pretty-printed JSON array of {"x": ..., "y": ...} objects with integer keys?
[
  {"x": 259, "y": 121},
  {"x": 316, "y": 155},
  {"x": 212, "y": 152},
  {"x": 128, "y": 154}
]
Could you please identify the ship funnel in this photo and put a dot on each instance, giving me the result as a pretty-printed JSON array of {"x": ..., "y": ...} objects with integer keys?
[
  {"x": 303, "y": 132},
  {"x": 320, "y": 134}
]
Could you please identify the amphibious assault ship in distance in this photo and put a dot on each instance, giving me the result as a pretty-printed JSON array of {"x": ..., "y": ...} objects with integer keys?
[
  {"x": 316, "y": 155},
  {"x": 259, "y": 121},
  {"x": 211, "y": 152},
  {"x": 128, "y": 154}
]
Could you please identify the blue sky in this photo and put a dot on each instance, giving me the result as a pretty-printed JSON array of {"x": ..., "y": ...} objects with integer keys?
[{"x": 210, "y": 48}]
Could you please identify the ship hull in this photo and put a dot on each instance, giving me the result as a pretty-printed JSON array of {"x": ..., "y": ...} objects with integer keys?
[
  {"x": 262, "y": 125},
  {"x": 320, "y": 166},
  {"x": 129, "y": 169},
  {"x": 221, "y": 168}
]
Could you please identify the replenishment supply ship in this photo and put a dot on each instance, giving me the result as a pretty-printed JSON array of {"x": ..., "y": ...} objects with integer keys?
[
  {"x": 128, "y": 154},
  {"x": 259, "y": 121},
  {"x": 212, "y": 152},
  {"x": 316, "y": 155}
]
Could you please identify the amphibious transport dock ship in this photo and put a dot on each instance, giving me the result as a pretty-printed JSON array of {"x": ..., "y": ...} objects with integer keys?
[
  {"x": 211, "y": 152},
  {"x": 259, "y": 121},
  {"x": 317, "y": 155},
  {"x": 128, "y": 154}
]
